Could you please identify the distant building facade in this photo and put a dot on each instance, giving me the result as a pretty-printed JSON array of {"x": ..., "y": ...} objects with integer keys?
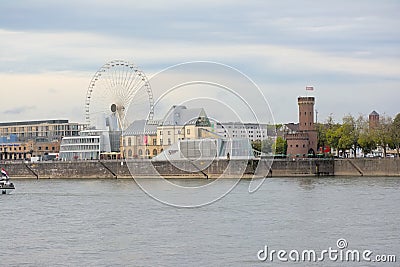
[
  {"x": 25, "y": 139},
  {"x": 15, "y": 150},
  {"x": 251, "y": 131},
  {"x": 304, "y": 141},
  {"x": 50, "y": 129},
  {"x": 94, "y": 143},
  {"x": 148, "y": 139},
  {"x": 140, "y": 140}
]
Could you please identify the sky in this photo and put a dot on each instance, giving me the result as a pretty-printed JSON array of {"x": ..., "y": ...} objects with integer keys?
[{"x": 348, "y": 50}]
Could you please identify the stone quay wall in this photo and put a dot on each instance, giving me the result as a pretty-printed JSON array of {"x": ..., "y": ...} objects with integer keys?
[
  {"x": 280, "y": 168},
  {"x": 368, "y": 167},
  {"x": 118, "y": 169}
]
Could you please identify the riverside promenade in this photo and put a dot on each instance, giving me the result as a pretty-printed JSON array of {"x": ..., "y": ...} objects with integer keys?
[{"x": 114, "y": 169}]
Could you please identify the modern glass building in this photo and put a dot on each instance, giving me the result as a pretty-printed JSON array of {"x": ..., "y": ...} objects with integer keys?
[{"x": 88, "y": 146}]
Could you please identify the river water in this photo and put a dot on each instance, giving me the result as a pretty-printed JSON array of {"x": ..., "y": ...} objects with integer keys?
[{"x": 114, "y": 223}]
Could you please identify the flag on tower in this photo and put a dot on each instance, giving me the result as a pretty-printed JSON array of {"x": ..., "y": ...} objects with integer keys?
[{"x": 309, "y": 88}]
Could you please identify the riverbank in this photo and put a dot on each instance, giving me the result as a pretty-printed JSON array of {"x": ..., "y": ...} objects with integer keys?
[{"x": 280, "y": 168}]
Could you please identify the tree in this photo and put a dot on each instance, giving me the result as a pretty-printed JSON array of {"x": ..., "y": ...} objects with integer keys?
[
  {"x": 321, "y": 131},
  {"x": 256, "y": 145},
  {"x": 365, "y": 139},
  {"x": 350, "y": 132},
  {"x": 382, "y": 134},
  {"x": 280, "y": 146},
  {"x": 333, "y": 135},
  {"x": 395, "y": 133},
  {"x": 265, "y": 146}
]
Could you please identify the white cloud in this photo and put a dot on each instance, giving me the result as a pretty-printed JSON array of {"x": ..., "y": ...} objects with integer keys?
[{"x": 353, "y": 46}]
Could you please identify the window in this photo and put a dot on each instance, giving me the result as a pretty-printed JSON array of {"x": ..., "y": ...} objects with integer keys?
[
  {"x": 154, "y": 152},
  {"x": 154, "y": 142},
  {"x": 147, "y": 152},
  {"x": 297, "y": 145},
  {"x": 129, "y": 153},
  {"x": 160, "y": 132},
  {"x": 187, "y": 131},
  {"x": 52, "y": 148},
  {"x": 169, "y": 132},
  {"x": 129, "y": 141},
  {"x": 140, "y": 152},
  {"x": 304, "y": 145},
  {"x": 47, "y": 148},
  {"x": 40, "y": 148},
  {"x": 169, "y": 141},
  {"x": 161, "y": 142}
]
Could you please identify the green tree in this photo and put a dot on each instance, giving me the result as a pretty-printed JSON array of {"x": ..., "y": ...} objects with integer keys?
[
  {"x": 395, "y": 133},
  {"x": 350, "y": 132},
  {"x": 280, "y": 146},
  {"x": 265, "y": 146},
  {"x": 365, "y": 139},
  {"x": 322, "y": 138},
  {"x": 382, "y": 134},
  {"x": 331, "y": 134},
  {"x": 256, "y": 145}
]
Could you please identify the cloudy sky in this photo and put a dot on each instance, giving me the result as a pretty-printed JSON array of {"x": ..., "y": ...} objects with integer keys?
[{"x": 348, "y": 50}]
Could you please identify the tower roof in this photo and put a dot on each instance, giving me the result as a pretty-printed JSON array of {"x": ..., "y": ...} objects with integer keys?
[{"x": 374, "y": 113}]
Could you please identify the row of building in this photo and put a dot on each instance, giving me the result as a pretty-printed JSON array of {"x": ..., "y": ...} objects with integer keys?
[
  {"x": 181, "y": 127},
  {"x": 148, "y": 139},
  {"x": 27, "y": 139},
  {"x": 142, "y": 139}
]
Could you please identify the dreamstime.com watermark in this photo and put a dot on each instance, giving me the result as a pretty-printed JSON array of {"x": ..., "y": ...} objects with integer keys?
[{"x": 340, "y": 253}]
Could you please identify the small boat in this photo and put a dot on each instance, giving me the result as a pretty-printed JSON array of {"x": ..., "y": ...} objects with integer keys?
[{"x": 6, "y": 187}]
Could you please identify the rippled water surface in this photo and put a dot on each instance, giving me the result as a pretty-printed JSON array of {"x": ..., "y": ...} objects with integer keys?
[{"x": 114, "y": 223}]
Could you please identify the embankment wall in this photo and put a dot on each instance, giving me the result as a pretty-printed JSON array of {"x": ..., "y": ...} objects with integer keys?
[
  {"x": 367, "y": 167},
  {"x": 280, "y": 168},
  {"x": 116, "y": 169}
]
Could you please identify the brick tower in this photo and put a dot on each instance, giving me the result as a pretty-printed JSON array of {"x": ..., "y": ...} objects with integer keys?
[
  {"x": 373, "y": 120},
  {"x": 304, "y": 142}
]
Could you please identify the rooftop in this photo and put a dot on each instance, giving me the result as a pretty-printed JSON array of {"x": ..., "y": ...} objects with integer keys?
[{"x": 20, "y": 123}]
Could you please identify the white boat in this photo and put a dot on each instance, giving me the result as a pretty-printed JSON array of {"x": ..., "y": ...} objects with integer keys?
[{"x": 6, "y": 187}]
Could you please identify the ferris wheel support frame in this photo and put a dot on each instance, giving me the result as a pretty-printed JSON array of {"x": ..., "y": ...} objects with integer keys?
[{"x": 127, "y": 83}]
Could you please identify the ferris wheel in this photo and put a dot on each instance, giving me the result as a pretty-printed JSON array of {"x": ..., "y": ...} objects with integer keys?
[{"x": 112, "y": 90}]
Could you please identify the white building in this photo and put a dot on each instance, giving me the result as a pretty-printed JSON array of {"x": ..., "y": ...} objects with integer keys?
[
  {"x": 251, "y": 131},
  {"x": 89, "y": 145},
  {"x": 207, "y": 149},
  {"x": 92, "y": 143}
]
